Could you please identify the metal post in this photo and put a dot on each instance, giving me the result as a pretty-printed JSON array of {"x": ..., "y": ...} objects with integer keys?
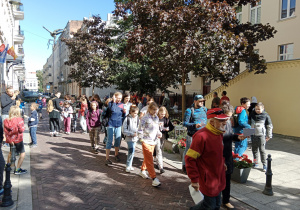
[
  {"x": 13, "y": 157},
  {"x": 7, "y": 198},
  {"x": 268, "y": 188}
]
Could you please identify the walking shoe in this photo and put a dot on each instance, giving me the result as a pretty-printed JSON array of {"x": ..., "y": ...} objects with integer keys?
[
  {"x": 108, "y": 162},
  {"x": 155, "y": 182},
  {"x": 162, "y": 171},
  {"x": 228, "y": 206},
  {"x": 51, "y": 134},
  {"x": 127, "y": 170},
  {"x": 131, "y": 169},
  {"x": 20, "y": 171},
  {"x": 57, "y": 135},
  {"x": 144, "y": 174},
  {"x": 256, "y": 165},
  {"x": 33, "y": 145},
  {"x": 117, "y": 158},
  {"x": 264, "y": 168}
]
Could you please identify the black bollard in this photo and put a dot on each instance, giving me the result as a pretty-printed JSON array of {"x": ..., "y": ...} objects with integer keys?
[
  {"x": 13, "y": 157},
  {"x": 268, "y": 188},
  {"x": 7, "y": 198}
]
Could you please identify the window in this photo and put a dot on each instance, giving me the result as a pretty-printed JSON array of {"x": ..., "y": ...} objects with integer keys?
[
  {"x": 288, "y": 8},
  {"x": 286, "y": 52},
  {"x": 255, "y": 13},
  {"x": 238, "y": 11}
]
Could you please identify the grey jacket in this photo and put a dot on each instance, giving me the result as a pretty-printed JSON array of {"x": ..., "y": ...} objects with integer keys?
[
  {"x": 130, "y": 127},
  {"x": 262, "y": 124}
]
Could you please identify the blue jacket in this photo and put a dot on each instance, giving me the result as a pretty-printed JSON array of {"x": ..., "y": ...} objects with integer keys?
[
  {"x": 1, "y": 131},
  {"x": 40, "y": 103},
  {"x": 190, "y": 122},
  {"x": 242, "y": 120},
  {"x": 117, "y": 114},
  {"x": 33, "y": 119}
]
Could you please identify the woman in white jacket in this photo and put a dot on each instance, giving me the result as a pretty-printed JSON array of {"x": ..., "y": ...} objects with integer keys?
[{"x": 130, "y": 128}]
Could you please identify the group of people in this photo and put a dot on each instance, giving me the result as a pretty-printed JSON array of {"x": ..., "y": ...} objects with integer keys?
[
  {"x": 207, "y": 158},
  {"x": 208, "y": 161}
]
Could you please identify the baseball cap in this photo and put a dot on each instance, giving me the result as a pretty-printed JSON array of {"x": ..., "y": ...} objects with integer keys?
[
  {"x": 197, "y": 97},
  {"x": 216, "y": 113}
]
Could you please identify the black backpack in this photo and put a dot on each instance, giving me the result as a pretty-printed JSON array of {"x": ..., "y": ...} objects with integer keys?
[
  {"x": 106, "y": 117},
  {"x": 235, "y": 120}
]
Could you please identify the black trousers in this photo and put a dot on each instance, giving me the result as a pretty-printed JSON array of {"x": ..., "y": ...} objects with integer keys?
[
  {"x": 54, "y": 125},
  {"x": 226, "y": 191}
]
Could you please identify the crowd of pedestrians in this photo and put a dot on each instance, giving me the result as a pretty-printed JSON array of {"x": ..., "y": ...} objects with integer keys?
[{"x": 207, "y": 158}]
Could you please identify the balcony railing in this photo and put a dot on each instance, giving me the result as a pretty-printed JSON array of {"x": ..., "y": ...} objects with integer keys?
[
  {"x": 20, "y": 33},
  {"x": 20, "y": 8}
]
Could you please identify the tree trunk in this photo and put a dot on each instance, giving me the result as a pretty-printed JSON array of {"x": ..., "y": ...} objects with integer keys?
[
  {"x": 93, "y": 90},
  {"x": 79, "y": 90},
  {"x": 183, "y": 95}
]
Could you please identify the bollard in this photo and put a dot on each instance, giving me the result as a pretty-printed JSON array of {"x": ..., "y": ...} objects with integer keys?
[
  {"x": 268, "y": 188},
  {"x": 13, "y": 157},
  {"x": 7, "y": 198}
]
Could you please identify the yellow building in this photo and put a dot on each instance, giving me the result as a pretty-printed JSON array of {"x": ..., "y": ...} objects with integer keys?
[{"x": 277, "y": 88}]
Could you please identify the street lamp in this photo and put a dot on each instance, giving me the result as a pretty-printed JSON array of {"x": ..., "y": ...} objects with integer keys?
[{"x": 54, "y": 34}]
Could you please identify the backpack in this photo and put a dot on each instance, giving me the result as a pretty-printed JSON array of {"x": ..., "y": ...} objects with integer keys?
[
  {"x": 50, "y": 106},
  {"x": 105, "y": 117}
]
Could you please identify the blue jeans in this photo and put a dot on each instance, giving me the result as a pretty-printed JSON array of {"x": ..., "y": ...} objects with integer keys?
[
  {"x": 32, "y": 132},
  {"x": 208, "y": 203},
  {"x": 130, "y": 155},
  {"x": 240, "y": 147},
  {"x": 111, "y": 132},
  {"x": 188, "y": 144}
]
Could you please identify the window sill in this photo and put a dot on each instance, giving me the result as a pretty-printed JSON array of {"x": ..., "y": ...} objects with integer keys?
[{"x": 287, "y": 18}]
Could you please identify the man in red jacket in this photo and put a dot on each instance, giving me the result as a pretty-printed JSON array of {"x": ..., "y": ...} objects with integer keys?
[{"x": 204, "y": 160}]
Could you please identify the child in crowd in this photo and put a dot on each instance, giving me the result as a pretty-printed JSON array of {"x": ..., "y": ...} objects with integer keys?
[
  {"x": 44, "y": 100},
  {"x": 32, "y": 124},
  {"x": 140, "y": 104},
  {"x": 61, "y": 119},
  {"x": 40, "y": 108},
  {"x": 104, "y": 118},
  {"x": 148, "y": 132},
  {"x": 67, "y": 114},
  {"x": 82, "y": 113},
  {"x": 261, "y": 122},
  {"x": 93, "y": 125},
  {"x": 13, "y": 130},
  {"x": 175, "y": 107},
  {"x": 74, "y": 104},
  {"x": 130, "y": 128},
  {"x": 165, "y": 125}
]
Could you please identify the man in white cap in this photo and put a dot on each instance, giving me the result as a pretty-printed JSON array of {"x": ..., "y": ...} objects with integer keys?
[{"x": 205, "y": 162}]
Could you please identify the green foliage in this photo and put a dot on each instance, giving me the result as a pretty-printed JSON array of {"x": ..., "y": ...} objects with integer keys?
[
  {"x": 39, "y": 75},
  {"x": 200, "y": 36}
]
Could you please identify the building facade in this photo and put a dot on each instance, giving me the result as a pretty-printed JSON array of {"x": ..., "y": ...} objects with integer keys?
[
  {"x": 278, "y": 86},
  {"x": 13, "y": 70},
  {"x": 31, "y": 82}
]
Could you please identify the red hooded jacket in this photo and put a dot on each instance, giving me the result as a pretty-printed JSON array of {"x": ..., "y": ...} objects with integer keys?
[{"x": 13, "y": 129}]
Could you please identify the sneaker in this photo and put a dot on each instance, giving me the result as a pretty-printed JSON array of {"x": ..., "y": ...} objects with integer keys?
[
  {"x": 155, "y": 182},
  {"x": 256, "y": 165},
  {"x": 108, "y": 162},
  {"x": 20, "y": 171},
  {"x": 57, "y": 135},
  {"x": 144, "y": 174},
  {"x": 264, "y": 168},
  {"x": 127, "y": 170},
  {"x": 117, "y": 158},
  {"x": 131, "y": 169},
  {"x": 51, "y": 134},
  {"x": 29, "y": 144},
  {"x": 162, "y": 171},
  {"x": 33, "y": 145}
]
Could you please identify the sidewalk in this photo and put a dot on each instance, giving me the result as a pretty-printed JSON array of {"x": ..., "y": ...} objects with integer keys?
[{"x": 21, "y": 184}]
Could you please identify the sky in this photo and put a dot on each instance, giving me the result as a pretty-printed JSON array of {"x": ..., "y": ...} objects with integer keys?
[{"x": 53, "y": 15}]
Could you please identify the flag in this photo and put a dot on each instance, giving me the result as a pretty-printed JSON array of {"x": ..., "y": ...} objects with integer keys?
[
  {"x": 11, "y": 52},
  {"x": 3, "y": 55},
  {"x": 2, "y": 47}
]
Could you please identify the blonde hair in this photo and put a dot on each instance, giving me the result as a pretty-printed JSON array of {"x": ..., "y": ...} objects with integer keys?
[
  {"x": 50, "y": 106},
  {"x": 107, "y": 101},
  {"x": 152, "y": 105},
  {"x": 14, "y": 111},
  {"x": 117, "y": 94},
  {"x": 18, "y": 102},
  {"x": 35, "y": 105},
  {"x": 163, "y": 109}
]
